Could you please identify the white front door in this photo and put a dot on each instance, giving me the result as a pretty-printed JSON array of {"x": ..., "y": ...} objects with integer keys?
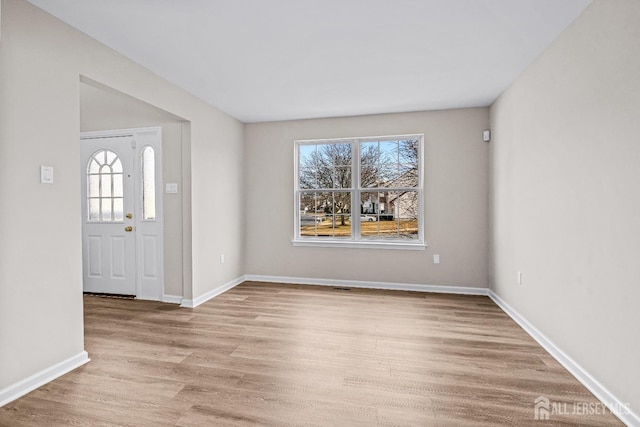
[{"x": 121, "y": 213}]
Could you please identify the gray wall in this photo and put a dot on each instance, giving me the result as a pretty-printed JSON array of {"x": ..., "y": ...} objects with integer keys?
[
  {"x": 41, "y": 63},
  {"x": 456, "y": 197},
  {"x": 566, "y": 194}
]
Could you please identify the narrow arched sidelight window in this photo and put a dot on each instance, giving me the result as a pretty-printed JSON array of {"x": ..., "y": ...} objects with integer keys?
[
  {"x": 148, "y": 184},
  {"x": 105, "y": 190}
]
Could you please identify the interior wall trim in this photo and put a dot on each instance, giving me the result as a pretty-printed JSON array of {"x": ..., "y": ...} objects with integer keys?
[
  {"x": 172, "y": 299},
  {"x": 19, "y": 389},
  {"x": 192, "y": 303},
  {"x": 465, "y": 290},
  {"x": 616, "y": 406}
]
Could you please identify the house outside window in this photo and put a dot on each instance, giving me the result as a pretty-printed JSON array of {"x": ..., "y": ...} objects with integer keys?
[{"x": 360, "y": 192}]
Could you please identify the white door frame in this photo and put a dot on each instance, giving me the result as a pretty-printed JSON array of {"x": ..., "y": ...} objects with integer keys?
[{"x": 146, "y": 287}]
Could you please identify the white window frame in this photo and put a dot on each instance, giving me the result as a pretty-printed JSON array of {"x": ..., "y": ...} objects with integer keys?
[{"x": 356, "y": 241}]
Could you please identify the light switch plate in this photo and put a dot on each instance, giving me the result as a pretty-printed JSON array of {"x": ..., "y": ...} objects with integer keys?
[
  {"x": 171, "y": 188},
  {"x": 46, "y": 174}
]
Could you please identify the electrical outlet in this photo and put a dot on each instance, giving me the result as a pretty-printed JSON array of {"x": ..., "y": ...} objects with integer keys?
[
  {"x": 436, "y": 258},
  {"x": 221, "y": 258},
  {"x": 520, "y": 278}
]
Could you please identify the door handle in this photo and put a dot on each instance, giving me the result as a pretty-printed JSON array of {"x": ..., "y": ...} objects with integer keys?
[
  {"x": 128, "y": 229},
  {"x": 129, "y": 215}
]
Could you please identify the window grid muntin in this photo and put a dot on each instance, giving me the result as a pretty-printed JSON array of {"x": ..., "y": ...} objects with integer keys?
[
  {"x": 331, "y": 222},
  {"x": 103, "y": 205},
  {"x": 357, "y": 189}
]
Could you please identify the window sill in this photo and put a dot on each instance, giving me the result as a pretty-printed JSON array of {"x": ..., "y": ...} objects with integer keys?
[{"x": 418, "y": 246}]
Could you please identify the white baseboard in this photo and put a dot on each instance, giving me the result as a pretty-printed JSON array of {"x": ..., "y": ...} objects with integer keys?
[
  {"x": 465, "y": 290},
  {"x": 172, "y": 299},
  {"x": 14, "y": 391},
  {"x": 614, "y": 404},
  {"x": 192, "y": 303}
]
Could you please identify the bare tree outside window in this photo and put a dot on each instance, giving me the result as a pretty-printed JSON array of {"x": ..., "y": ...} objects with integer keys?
[
  {"x": 396, "y": 175},
  {"x": 387, "y": 188},
  {"x": 327, "y": 167}
]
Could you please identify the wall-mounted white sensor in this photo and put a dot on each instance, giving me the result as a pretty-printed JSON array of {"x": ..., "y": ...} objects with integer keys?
[{"x": 486, "y": 135}]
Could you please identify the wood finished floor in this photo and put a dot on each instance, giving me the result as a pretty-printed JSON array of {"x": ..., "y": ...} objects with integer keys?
[{"x": 285, "y": 355}]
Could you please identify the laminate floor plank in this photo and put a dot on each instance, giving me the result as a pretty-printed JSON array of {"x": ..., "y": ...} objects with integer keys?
[{"x": 294, "y": 355}]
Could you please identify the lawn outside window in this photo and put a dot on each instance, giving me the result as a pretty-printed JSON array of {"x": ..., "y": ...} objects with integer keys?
[{"x": 360, "y": 192}]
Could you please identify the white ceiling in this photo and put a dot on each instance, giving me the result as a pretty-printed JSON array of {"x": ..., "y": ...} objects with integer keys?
[{"x": 264, "y": 60}]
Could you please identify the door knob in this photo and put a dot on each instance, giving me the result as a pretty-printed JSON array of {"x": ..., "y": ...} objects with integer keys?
[
  {"x": 128, "y": 229},
  {"x": 129, "y": 215}
]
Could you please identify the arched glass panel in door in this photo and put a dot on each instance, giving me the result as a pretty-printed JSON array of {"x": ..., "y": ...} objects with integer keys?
[{"x": 105, "y": 187}]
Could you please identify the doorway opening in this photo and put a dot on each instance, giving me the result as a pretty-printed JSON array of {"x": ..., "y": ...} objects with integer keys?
[{"x": 122, "y": 212}]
